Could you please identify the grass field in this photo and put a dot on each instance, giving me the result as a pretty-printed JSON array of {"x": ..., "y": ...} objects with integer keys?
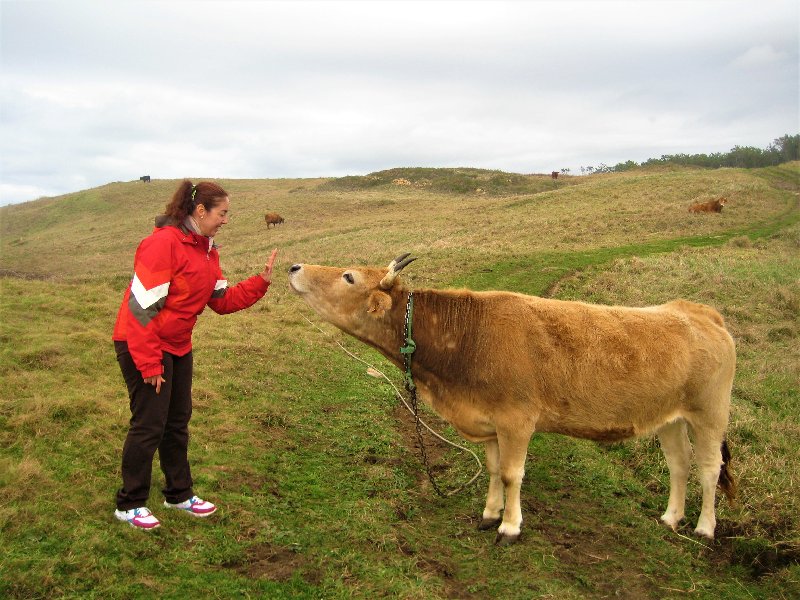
[{"x": 313, "y": 462}]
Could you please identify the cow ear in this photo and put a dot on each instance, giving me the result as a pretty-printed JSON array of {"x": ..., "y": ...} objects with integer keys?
[{"x": 378, "y": 304}]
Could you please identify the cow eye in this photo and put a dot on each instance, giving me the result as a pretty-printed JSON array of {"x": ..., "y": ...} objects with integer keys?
[{"x": 349, "y": 278}]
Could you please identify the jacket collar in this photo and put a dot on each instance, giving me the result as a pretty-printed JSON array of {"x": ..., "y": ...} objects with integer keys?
[{"x": 189, "y": 229}]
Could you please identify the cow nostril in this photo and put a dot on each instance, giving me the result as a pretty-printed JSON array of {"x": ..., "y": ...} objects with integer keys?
[{"x": 295, "y": 268}]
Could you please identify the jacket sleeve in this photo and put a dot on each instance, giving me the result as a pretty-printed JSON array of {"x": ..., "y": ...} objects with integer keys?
[
  {"x": 243, "y": 295},
  {"x": 151, "y": 281}
]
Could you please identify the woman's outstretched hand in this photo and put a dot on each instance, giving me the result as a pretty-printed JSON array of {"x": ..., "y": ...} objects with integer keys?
[{"x": 267, "y": 273}]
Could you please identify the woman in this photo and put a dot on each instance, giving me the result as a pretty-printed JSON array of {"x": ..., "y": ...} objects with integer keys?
[{"x": 176, "y": 274}]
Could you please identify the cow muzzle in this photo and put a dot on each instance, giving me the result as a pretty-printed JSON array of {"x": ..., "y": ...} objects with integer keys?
[{"x": 294, "y": 276}]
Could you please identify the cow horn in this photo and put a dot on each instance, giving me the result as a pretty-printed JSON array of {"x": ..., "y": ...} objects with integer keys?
[
  {"x": 397, "y": 260},
  {"x": 397, "y": 265}
]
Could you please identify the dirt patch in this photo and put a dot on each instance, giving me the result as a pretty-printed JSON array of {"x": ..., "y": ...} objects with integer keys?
[
  {"x": 442, "y": 568},
  {"x": 584, "y": 546},
  {"x": 247, "y": 479},
  {"x": 266, "y": 561},
  {"x": 589, "y": 554},
  {"x": 763, "y": 554}
]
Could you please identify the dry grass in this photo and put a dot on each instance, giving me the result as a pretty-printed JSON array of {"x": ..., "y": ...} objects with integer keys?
[{"x": 453, "y": 232}]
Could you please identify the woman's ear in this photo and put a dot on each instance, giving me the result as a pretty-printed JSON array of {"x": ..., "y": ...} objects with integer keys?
[{"x": 378, "y": 304}]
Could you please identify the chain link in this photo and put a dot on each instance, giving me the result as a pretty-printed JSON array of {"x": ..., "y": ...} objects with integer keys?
[{"x": 407, "y": 350}]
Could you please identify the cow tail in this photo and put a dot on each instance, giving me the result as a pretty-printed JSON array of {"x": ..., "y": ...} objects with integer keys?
[{"x": 726, "y": 481}]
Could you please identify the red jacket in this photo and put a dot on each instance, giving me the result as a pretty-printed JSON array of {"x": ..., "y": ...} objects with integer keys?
[{"x": 176, "y": 274}]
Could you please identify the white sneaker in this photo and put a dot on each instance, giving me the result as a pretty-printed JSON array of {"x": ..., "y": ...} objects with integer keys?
[
  {"x": 194, "y": 506},
  {"x": 140, "y": 518}
]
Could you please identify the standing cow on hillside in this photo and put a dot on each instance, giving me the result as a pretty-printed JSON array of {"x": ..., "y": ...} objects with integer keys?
[
  {"x": 500, "y": 365},
  {"x": 273, "y": 219},
  {"x": 710, "y": 206}
]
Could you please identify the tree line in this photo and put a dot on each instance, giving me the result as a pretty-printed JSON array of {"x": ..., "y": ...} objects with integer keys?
[{"x": 781, "y": 150}]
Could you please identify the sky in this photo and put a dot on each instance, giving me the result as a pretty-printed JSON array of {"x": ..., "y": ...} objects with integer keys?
[{"x": 94, "y": 92}]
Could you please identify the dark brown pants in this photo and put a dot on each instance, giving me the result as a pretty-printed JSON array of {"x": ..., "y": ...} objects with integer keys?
[{"x": 158, "y": 422}]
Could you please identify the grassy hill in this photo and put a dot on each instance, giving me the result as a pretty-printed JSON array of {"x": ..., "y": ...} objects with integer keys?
[{"x": 313, "y": 462}]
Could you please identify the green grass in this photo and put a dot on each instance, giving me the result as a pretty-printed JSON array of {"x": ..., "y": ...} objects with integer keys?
[{"x": 313, "y": 461}]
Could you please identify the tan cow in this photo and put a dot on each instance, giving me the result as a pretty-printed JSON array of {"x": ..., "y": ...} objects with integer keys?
[
  {"x": 500, "y": 365},
  {"x": 710, "y": 206},
  {"x": 273, "y": 219}
]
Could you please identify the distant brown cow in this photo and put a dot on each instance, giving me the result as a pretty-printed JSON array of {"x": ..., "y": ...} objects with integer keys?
[
  {"x": 554, "y": 174},
  {"x": 273, "y": 219},
  {"x": 710, "y": 206}
]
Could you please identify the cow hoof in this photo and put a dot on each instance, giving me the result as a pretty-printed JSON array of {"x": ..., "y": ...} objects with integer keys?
[
  {"x": 489, "y": 524},
  {"x": 672, "y": 521},
  {"x": 704, "y": 533},
  {"x": 505, "y": 540}
]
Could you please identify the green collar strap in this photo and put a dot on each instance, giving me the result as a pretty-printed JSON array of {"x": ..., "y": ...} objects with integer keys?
[{"x": 410, "y": 346}]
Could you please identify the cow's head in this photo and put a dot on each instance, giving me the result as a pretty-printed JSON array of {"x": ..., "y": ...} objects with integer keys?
[{"x": 348, "y": 298}]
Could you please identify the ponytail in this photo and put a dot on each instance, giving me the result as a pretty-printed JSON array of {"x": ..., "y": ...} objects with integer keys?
[{"x": 188, "y": 196}]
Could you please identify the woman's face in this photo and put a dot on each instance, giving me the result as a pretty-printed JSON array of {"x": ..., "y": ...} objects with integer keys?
[{"x": 210, "y": 221}]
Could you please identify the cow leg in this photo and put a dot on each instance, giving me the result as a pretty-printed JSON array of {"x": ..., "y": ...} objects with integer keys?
[
  {"x": 494, "y": 498},
  {"x": 513, "y": 451},
  {"x": 677, "y": 451},
  {"x": 707, "y": 449}
]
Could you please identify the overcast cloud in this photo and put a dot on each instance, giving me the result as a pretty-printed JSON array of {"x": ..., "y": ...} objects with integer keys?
[{"x": 100, "y": 91}]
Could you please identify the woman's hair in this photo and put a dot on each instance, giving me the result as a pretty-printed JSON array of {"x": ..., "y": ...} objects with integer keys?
[{"x": 188, "y": 196}]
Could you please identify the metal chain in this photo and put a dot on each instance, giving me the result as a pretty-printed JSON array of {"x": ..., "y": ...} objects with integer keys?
[
  {"x": 407, "y": 350},
  {"x": 422, "y": 450}
]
